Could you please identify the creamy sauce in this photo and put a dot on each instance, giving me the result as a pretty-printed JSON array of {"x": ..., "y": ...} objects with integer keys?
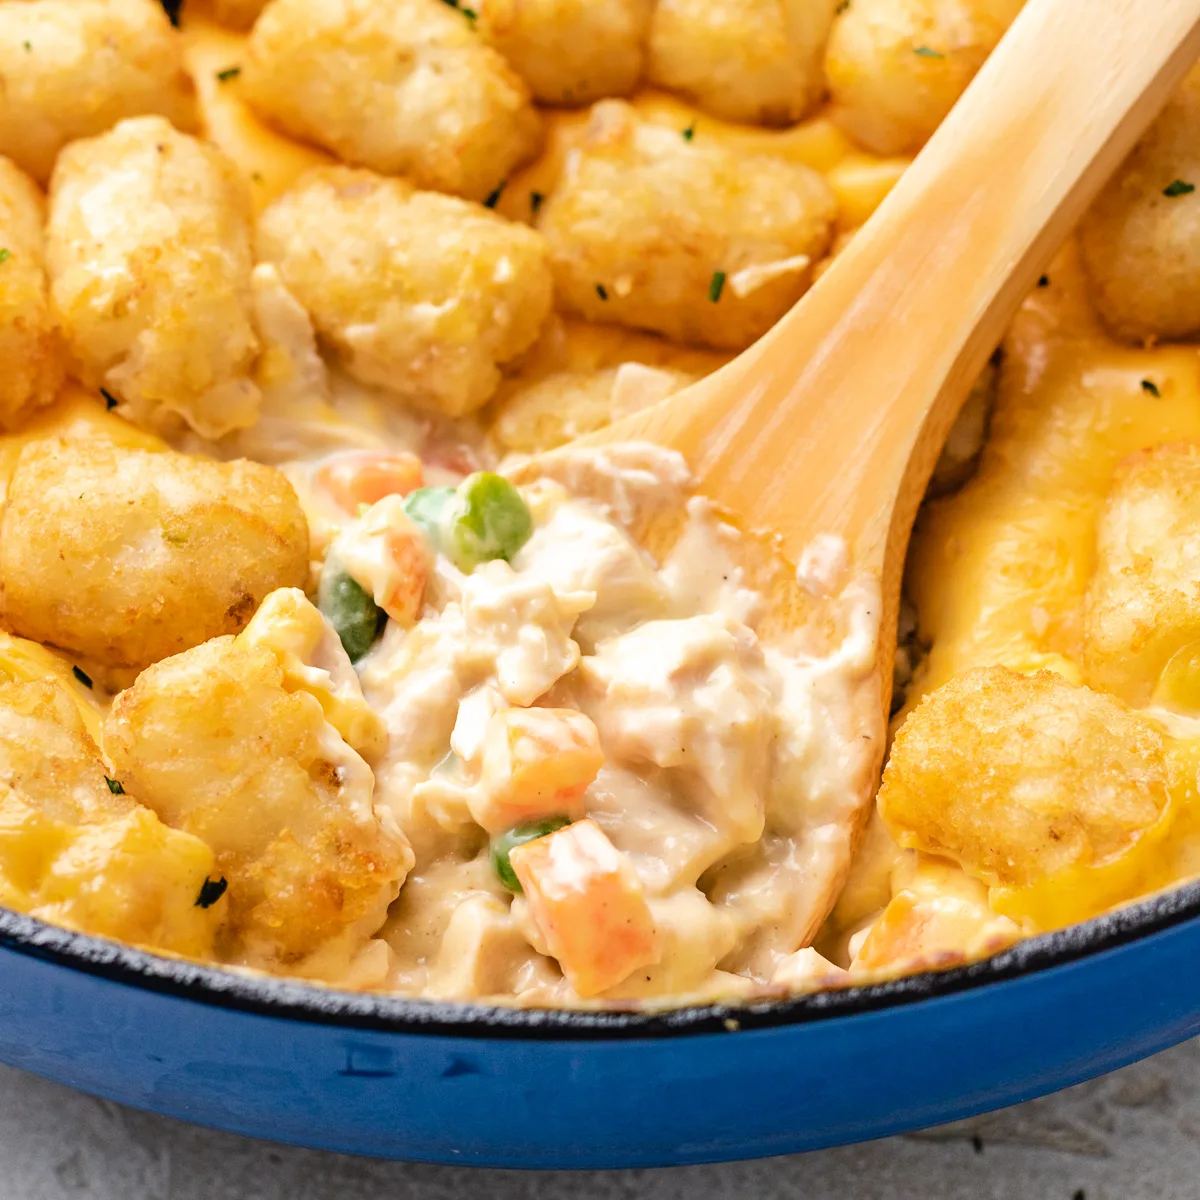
[{"x": 730, "y": 780}]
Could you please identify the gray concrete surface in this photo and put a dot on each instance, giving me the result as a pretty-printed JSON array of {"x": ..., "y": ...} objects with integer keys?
[{"x": 1134, "y": 1135}]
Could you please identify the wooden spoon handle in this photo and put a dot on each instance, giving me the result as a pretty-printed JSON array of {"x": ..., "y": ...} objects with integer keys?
[{"x": 832, "y": 423}]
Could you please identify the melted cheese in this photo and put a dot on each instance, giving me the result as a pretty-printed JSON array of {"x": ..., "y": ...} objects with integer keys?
[{"x": 999, "y": 571}]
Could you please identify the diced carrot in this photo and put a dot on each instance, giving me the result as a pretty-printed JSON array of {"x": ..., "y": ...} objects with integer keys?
[
  {"x": 537, "y": 762},
  {"x": 404, "y": 589},
  {"x": 588, "y": 904},
  {"x": 366, "y": 477},
  {"x": 386, "y": 553}
]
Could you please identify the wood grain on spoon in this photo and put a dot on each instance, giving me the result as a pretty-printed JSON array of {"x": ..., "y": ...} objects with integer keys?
[{"x": 832, "y": 423}]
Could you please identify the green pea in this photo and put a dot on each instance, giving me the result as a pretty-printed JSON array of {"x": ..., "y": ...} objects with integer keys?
[
  {"x": 489, "y": 520},
  {"x": 427, "y": 507},
  {"x": 504, "y": 845},
  {"x": 354, "y": 615}
]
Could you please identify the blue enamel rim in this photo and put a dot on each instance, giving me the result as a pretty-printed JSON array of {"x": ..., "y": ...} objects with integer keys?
[{"x": 297, "y": 1001}]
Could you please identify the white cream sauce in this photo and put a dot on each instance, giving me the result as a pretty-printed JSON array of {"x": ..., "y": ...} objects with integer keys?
[{"x": 736, "y": 770}]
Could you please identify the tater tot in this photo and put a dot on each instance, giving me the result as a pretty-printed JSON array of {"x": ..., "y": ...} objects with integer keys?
[
  {"x": 759, "y": 61},
  {"x": 1140, "y": 241},
  {"x": 406, "y": 88},
  {"x": 688, "y": 239},
  {"x": 125, "y": 556},
  {"x": 29, "y": 345},
  {"x": 422, "y": 294},
  {"x": 1015, "y": 777},
  {"x": 896, "y": 67},
  {"x": 215, "y": 744},
  {"x": 149, "y": 253},
  {"x": 1143, "y": 602},
  {"x": 570, "y": 51},
  {"x": 73, "y": 68},
  {"x": 77, "y": 849}
]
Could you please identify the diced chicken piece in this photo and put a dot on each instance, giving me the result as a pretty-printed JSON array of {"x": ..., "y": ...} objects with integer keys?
[
  {"x": 363, "y": 477},
  {"x": 405, "y": 88},
  {"x": 690, "y": 695},
  {"x": 896, "y": 67},
  {"x": 1140, "y": 240},
  {"x": 1143, "y": 603},
  {"x": 75, "y": 849},
  {"x": 570, "y": 51},
  {"x": 423, "y": 295},
  {"x": 312, "y": 660},
  {"x": 29, "y": 342},
  {"x": 939, "y": 919},
  {"x": 481, "y": 953},
  {"x": 216, "y": 743},
  {"x": 647, "y": 228},
  {"x": 1018, "y": 777},
  {"x": 808, "y": 971},
  {"x": 149, "y": 253},
  {"x": 575, "y": 549},
  {"x": 522, "y": 627},
  {"x": 388, "y": 555},
  {"x": 588, "y": 904},
  {"x": 758, "y": 61},
  {"x": 127, "y": 556},
  {"x": 537, "y": 762},
  {"x": 74, "y": 68}
]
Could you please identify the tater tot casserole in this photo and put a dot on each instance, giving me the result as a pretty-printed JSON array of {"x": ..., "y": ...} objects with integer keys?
[{"x": 314, "y": 661}]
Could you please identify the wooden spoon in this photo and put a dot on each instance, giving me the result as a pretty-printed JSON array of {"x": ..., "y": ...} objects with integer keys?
[{"x": 832, "y": 423}]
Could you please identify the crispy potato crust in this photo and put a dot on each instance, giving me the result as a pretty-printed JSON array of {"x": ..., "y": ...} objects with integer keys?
[
  {"x": 149, "y": 253},
  {"x": 654, "y": 231},
  {"x": 1143, "y": 601},
  {"x": 1016, "y": 777},
  {"x": 405, "y": 88},
  {"x": 1141, "y": 245},
  {"x": 570, "y": 51},
  {"x": 896, "y": 67},
  {"x": 73, "y": 68},
  {"x": 759, "y": 61},
  {"x": 75, "y": 849},
  {"x": 213, "y": 742},
  {"x": 29, "y": 344},
  {"x": 127, "y": 556},
  {"x": 421, "y": 294}
]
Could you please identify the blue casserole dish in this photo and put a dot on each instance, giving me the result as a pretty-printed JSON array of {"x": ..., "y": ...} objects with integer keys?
[{"x": 454, "y": 1083}]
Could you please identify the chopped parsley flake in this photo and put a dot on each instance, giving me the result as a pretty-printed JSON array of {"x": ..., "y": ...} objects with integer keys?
[
  {"x": 841, "y": 8},
  {"x": 1044, "y": 281},
  {"x": 228, "y": 73},
  {"x": 256, "y": 176},
  {"x": 470, "y": 14},
  {"x": 172, "y": 8},
  {"x": 494, "y": 195},
  {"x": 1178, "y": 188},
  {"x": 601, "y": 291},
  {"x": 5, "y": 255},
  {"x": 717, "y": 286},
  {"x": 110, "y": 401},
  {"x": 114, "y": 786},
  {"x": 536, "y": 200},
  {"x": 689, "y": 133},
  {"x": 82, "y": 676},
  {"x": 1150, "y": 388},
  {"x": 928, "y": 52},
  {"x": 28, "y": 45},
  {"x": 211, "y": 890}
]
